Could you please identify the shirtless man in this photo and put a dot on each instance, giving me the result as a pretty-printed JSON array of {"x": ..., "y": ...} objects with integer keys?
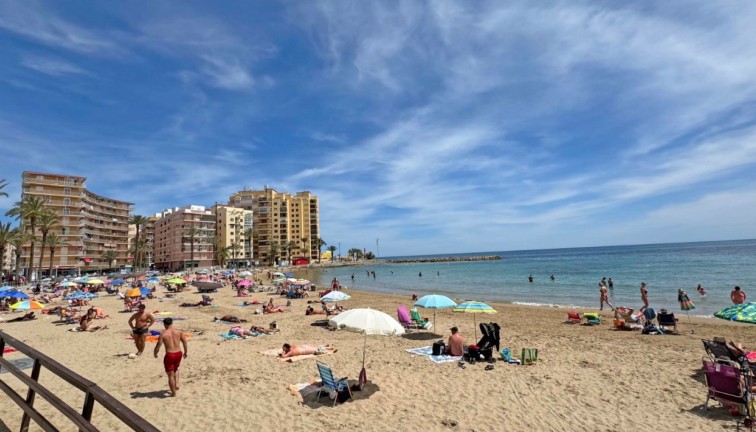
[
  {"x": 140, "y": 324},
  {"x": 297, "y": 350},
  {"x": 173, "y": 339},
  {"x": 644, "y": 297}
]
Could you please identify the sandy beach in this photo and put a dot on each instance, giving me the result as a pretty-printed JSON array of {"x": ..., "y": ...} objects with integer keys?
[{"x": 587, "y": 378}]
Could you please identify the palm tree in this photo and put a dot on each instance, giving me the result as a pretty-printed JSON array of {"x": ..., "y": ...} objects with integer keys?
[
  {"x": 191, "y": 235},
  {"x": 304, "y": 241},
  {"x": 288, "y": 246},
  {"x": 138, "y": 221},
  {"x": 320, "y": 243},
  {"x": 29, "y": 209},
  {"x": 273, "y": 254},
  {"x": 3, "y": 184},
  {"x": 332, "y": 249},
  {"x": 109, "y": 256},
  {"x": 6, "y": 236},
  {"x": 249, "y": 235},
  {"x": 47, "y": 221},
  {"x": 138, "y": 249},
  {"x": 221, "y": 255},
  {"x": 19, "y": 238},
  {"x": 54, "y": 241}
]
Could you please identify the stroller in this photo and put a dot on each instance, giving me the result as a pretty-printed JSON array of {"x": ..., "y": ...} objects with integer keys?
[{"x": 484, "y": 349}]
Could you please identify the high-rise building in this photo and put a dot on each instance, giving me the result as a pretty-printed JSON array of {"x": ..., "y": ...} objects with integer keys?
[
  {"x": 288, "y": 225},
  {"x": 90, "y": 224},
  {"x": 183, "y": 233},
  {"x": 8, "y": 265},
  {"x": 233, "y": 225}
]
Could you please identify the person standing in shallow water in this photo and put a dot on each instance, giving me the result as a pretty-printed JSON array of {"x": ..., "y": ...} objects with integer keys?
[
  {"x": 644, "y": 297},
  {"x": 530, "y": 278},
  {"x": 604, "y": 297}
]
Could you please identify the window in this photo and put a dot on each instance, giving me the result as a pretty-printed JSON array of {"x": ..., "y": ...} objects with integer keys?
[
  {"x": 67, "y": 191},
  {"x": 66, "y": 201},
  {"x": 66, "y": 211},
  {"x": 68, "y": 182}
]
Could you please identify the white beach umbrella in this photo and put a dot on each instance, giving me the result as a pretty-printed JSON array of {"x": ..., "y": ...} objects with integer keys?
[
  {"x": 369, "y": 322},
  {"x": 335, "y": 296}
]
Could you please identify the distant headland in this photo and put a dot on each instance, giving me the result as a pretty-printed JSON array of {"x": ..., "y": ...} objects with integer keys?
[{"x": 444, "y": 259}]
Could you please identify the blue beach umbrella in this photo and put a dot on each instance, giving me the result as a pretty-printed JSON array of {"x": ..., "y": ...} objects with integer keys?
[
  {"x": 435, "y": 301},
  {"x": 145, "y": 291},
  {"x": 6, "y": 288},
  {"x": 14, "y": 294},
  {"x": 474, "y": 307},
  {"x": 118, "y": 281},
  {"x": 745, "y": 312}
]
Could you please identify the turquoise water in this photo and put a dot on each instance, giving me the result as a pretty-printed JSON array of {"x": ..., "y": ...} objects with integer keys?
[{"x": 718, "y": 266}]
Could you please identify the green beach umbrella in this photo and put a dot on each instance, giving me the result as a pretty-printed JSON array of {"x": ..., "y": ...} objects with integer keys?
[
  {"x": 745, "y": 313},
  {"x": 474, "y": 307},
  {"x": 687, "y": 306}
]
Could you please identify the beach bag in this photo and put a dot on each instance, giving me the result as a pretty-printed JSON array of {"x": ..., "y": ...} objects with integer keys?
[
  {"x": 529, "y": 356},
  {"x": 438, "y": 348}
]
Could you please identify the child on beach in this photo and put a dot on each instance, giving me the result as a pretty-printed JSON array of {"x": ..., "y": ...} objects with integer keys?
[{"x": 701, "y": 290}]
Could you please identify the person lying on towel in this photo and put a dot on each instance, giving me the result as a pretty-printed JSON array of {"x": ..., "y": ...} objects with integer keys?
[{"x": 298, "y": 350}]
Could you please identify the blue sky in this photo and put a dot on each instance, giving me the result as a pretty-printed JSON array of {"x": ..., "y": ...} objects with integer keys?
[{"x": 437, "y": 127}]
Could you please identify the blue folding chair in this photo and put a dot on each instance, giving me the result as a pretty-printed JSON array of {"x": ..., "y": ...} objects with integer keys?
[{"x": 329, "y": 383}]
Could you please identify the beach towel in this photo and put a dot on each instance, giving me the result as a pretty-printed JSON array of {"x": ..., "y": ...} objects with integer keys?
[
  {"x": 230, "y": 336},
  {"x": 304, "y": 389},
  {"x": 175, "y": 319},
  {"x": 428, "y": 352},
  {"x": 302, "y": 357},
  {"x": 7, "y": 350}
]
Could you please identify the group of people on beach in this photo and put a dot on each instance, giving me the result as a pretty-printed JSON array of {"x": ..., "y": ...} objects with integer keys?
[{"x": 738, "y": 296}]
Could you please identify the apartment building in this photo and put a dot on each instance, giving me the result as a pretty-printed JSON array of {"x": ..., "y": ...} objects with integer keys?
[
  {"x": 171, "y": 245},
  {"x": 232, "y": 226},
  {"x": 8, "y": 265},
  {"x": 282, "y": 221},
  {"x": 90, "y": 224}
]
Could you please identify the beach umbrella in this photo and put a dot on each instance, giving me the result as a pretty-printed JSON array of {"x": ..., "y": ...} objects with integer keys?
[
  {"x": 687, "y": 306},
  {"x": 745, "y": 312},
  {"x": 245, "y": 273},
  {"x": 368, "y": 322},
  {"x": 335, "y": 296},
  {"x": 27, "y": 304},
  {"x": 208, "y": 285},
  {"x": 474, "y": 307},
  {"x": 14, "y": 294},
  {"x": 67, "y": 284},
  {"x": 95, "y": 282},
  {"x": 134, "y": 292},
  {"x": 80, "y": 296},
  {"x": 176, "y": 281},
  {"x": 245, "y": 283},
  {"x": 435, "y": 301},
  {"x": 153, "y": 279},
  {"x": 118, "y": 281},
  {"x": 144, "y": 291},
  {"x": 6, "y": 288}
]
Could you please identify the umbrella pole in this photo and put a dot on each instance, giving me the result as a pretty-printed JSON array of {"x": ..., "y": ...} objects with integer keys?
[
  {"x": 364, "y": 349},
  {"x": 475, "y": 328},
  {"x": 434, "y": 320},
  {"x": 692, "y": 330}
]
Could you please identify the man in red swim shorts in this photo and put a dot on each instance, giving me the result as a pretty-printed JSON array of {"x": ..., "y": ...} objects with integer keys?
[{"x": 173, "y": 338}]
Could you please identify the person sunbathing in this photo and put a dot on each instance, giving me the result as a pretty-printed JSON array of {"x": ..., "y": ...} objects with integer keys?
[
  {"x": 27, "y": 317},
  {"x": 298, "y": 350},
  {"x": 249, "y": 303},
  {"x": 273, "y": 309},
  {"x": 230, "y": 318},
  {"x": 99, "y": 313},
  {"x": 311, "y": 311},
  {"x": 238, "y": 331},
  {"x": 260, "y": 329}
]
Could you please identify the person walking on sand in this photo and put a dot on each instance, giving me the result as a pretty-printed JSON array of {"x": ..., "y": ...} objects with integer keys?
[
  {"x": 738, "y": 296},
  {"x": 604, "y": 297},
  {"x": 644, "y": 297},
  {"x": 173, "y": 338},
  {"x": 140, "y": 324}
]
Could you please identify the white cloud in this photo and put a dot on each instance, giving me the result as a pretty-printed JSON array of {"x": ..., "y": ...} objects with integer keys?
[{"x": 52, "y": 66}]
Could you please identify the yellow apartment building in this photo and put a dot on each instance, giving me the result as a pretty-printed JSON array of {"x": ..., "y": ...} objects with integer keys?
[
  {"x": 232, "y": 225},
  {"x": 171, "y": 247},
  {"x": 90, "y": 224},
  {"x": 292, "y": 222}
]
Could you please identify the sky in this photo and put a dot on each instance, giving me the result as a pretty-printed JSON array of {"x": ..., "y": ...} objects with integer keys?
[{"x": 424, "y": 127}]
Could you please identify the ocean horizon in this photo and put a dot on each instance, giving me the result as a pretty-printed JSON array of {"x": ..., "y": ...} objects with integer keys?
[{"x": 717, "y": 265}]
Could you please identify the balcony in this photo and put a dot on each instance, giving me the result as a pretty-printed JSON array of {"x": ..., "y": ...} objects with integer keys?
[{"x": 35, "y": 181}]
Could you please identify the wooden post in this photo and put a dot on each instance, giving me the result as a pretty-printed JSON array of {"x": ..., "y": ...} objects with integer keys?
[
  {"x": 30, "y": 396},
  {"x": 89, "y": 401}
]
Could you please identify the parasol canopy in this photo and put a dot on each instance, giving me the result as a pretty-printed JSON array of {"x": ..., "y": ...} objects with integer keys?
[
  {"x": 745, "y": 312},
  {"x": 27, "y": 304},
  {"x": 134, "y": 292},
  {"x": 435, "y": 301},
  {"x": 474, "y": 307},
  {"x": 335, "y": 296},
  {"x": 176, "y": 281}
]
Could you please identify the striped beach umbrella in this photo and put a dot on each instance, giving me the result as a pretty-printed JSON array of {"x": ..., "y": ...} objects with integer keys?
[
  {"x": 474, "y": 307},
  {"x": 686, "y": 305},
  {"x": 27, "y": 304},
  {"x": 95, "y": 282}
]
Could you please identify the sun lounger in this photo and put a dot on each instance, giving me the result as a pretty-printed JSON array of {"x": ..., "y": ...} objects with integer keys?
[
  {"x": 573, "y": 318},
  {"x": 417, "y": 319},
  {"x": 329, "y": 383},
  {"x": 727, "y": 386},
  {"x": 667, "y": 320},
  {"x": 592, "y": 318},
  {"x": 405, "y": 319}
]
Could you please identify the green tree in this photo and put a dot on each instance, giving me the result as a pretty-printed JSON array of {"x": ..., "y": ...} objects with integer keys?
[
  {"x": 289, "y": 246},
  {"x": 332, "y": 249},
  {"x": 369, "y": 255},
  {"x": 305, "y": 246},
  {"x": 273, "y": 254},
  {"x": 109, "y": 256},
  {"x": 319, "y": 242},
  {"x": 28, "y": 211},
  {"x": 46, "y": 222},
  {"x": 54, "y": 241},
  {"x": 3, "y": 184},
  {"x": 6, "y": 237},
  {"x": 138, "y": 221},
  {"x": 191, "y": 236},
  {"x": 220, "y": 255},
  {"x": 234, "y": 248},
  {"x": 355, "y": 253}
]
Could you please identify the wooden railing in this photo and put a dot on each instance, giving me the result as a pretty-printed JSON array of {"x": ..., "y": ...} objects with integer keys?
[{"x": 93, "y": 393}]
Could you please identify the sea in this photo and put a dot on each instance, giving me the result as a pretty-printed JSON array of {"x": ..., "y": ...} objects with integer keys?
[{"x": 718, "y": 266}]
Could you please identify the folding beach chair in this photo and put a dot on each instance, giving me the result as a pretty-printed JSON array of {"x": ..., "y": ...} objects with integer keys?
[
  {"x": 592, "y": 318},
  {"x": 417, "y": 319},
  {"x": 728, "y": 386},
  {"x": 329, "y": 383},
  {"x": 667, "y": 320},
  {"x": 405, "y": 320},
  {"x": 717, "y": 349}
]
